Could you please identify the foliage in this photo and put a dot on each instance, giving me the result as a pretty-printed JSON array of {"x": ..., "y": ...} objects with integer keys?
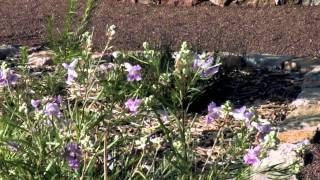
[
  {"x": 122, "y": 117},
  {"x": 68, "y": 40}
]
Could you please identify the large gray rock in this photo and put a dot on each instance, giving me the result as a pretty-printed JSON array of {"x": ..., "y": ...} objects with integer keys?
[
  {"x": 8, "y": 51},
  {"x": 270, "y": 62}
]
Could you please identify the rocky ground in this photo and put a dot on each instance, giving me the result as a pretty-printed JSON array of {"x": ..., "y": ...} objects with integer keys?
[{"x": 282, "y": 30}]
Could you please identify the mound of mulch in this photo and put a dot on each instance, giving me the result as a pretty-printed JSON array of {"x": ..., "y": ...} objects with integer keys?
[
  {"x": 288, "y": 30},
  {"x": 311, "y": 169}
]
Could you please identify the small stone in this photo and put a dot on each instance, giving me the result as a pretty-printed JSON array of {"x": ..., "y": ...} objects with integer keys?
[
  {"x": 40, "y": 59},
  {"x": 7, "y": 51},
  {"x": 305, "y": 65},
  {"x": 290, "y": 66},
  {"x": 130, "y": 1}
]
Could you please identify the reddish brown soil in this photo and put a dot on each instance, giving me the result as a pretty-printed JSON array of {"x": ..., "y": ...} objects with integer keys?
[{"x": 288, "y": 30}]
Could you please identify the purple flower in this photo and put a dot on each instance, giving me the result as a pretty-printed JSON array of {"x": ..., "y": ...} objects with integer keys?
[
  {"x": 52, "y": 109},
  {"x": 35, "y": 103},
  {"x": 242, "y": 114},
  {"x": 106, "y": 66},
  {"x": 210, "y": 72},
  {"x": 134, "y": 73},
  {"x": 58, "y": 100},
  {"x": 7, "y": 77},
  {"x": 206, "y": 68},
  {"x": 251, "y": 157},
  {"x": 73, "y": 155},
  {"x": 207, "y": 63},
  {"x": 196, "y": 63},
  {"x": 133, "y": 105},
  {"x": 213, "y": 112},
  {"x": 264, "y": 129},
  {"x": 72, "y": 74}
]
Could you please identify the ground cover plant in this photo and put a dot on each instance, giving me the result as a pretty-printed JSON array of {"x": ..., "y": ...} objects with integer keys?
[{"x": 123, "y": 117}]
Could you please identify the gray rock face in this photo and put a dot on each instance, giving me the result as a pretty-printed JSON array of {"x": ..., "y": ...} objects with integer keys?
[{"x": 7, "y": 51}]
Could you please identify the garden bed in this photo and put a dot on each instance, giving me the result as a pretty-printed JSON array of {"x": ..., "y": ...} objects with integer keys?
[{"x": 70, "y": 112}]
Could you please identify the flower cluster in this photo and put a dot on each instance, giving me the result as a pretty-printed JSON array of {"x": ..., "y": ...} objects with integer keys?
[
  {"x": 7, "y": 76},
  {"x": 72, "y": 74},
  {"x": 243, "y": 114},
  {"x": 134, "y": 73},
  {"x": 73, "y": 155},
  {"x": 51, "y": 108}
]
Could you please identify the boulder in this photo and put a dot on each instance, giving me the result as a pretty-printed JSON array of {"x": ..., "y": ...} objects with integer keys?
[
  {"x": 185, "y": 3},
  {"x": 146, "y": 2},
  {"x": 39, "y": 60},
  {"x": 221, "y": 3}
]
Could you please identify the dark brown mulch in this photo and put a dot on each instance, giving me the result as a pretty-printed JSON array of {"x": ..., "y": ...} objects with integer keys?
[
  {"x": 271, "y": 91},
  {"x": 288, "y": 30}
]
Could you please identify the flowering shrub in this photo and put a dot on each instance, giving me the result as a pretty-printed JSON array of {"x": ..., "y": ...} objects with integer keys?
[{"x": 127, "y": 118}]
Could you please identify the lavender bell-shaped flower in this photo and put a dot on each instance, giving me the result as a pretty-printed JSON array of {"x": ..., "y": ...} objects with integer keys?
[
  {"x": 252, "y": 157},
  {"x": 52, "y": 109},
  {"x": 134, "y": 73},
  {"x": 35, "y": 103},
  {"x": 73, "y": 155},
  {"x": 72, "y": 74},
  {"x": 132, "y": 105},
  {"x": 244, "y": 115},
  {"x": 213, "y": 112},
  {"x": 206, "y": 68},
  {"x": 7, "y": 77}
]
